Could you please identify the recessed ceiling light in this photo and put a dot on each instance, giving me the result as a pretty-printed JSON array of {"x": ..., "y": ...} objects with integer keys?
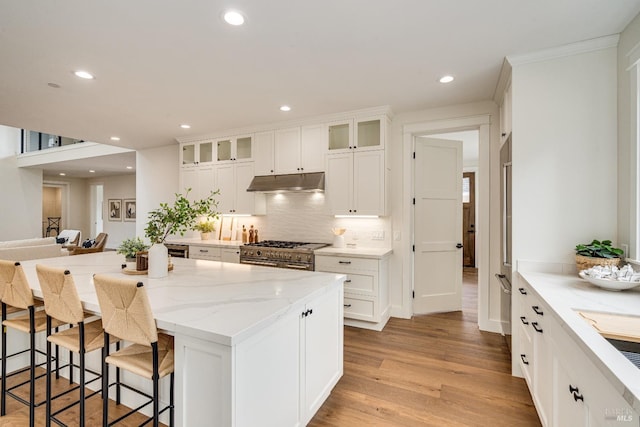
[
  {"x": 92, "y": 171},
  {"x": 185, "y": 126},
  {"x": 63, "y": 174},
  {"x": 129, "y": 167},
  {"x": 285, "y": 108},
  {"x": 446, "y": 79},
  {"x": 84, "y": 75},
  {"x": 115, "y": 138},
  {"x": 54, "y": 85},
  {"x": 233, "y": 17}
]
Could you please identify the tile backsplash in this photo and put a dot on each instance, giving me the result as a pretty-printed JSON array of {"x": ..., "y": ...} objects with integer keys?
[{"x": 306, "y": 217}]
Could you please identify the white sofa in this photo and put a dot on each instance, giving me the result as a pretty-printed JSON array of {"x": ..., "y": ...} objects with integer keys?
[{"x": 21, "y": 250}]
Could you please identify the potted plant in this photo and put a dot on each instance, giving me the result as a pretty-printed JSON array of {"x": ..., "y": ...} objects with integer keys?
[
  {"x": 597, "y": 253},
  {"x": 174, "y": 219},
  {"x": 130, "y": 247},
  {"x": 205, "y": 228}
]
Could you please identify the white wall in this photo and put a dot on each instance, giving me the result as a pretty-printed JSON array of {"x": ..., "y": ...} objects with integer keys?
[
  {"x": 21, "y": 192},
  {"x": 564, "y": 154},
  {"x": 157, "y": 181},
  {"x": 627, "y": 137},
  {"x": 115, "y": 187}
]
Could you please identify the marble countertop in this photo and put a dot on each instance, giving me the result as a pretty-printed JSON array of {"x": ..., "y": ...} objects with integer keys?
[
  {"x": 214, "y": 301},
  {"x": 231, "y": 244},
  {"x": 357, "y": 252},
  {"x": 565, "y": 294}
]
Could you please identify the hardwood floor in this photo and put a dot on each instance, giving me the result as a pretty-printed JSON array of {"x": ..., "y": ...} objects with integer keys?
[{"x": 433, "y": 370}]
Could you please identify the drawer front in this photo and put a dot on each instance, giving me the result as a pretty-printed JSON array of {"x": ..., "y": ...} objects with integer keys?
[
  {"x": 230, "y": 255},
  {"x": 204, "y": 252},
  {"x": 360, "y": 308},
  {"x": 336, "y": 264},
  {"x": 362, "y": 284}
]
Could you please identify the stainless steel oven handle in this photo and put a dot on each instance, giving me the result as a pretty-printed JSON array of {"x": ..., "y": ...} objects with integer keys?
[
  {"x": 299, "y": 267},
  {"x": 263, "y": 263}
]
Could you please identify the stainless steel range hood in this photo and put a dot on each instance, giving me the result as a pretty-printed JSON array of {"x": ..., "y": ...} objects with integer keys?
[{"x": 297, "y": 182}]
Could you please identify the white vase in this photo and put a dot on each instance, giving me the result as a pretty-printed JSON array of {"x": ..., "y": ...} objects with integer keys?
[
  {"x": 158, "y": 261},
  {"x": 338, "y": 241},
  {"x": 205, "y": 236}
]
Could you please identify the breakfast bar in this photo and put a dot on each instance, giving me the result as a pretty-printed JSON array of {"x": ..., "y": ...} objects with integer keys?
[{"x": 253, "y": 345}]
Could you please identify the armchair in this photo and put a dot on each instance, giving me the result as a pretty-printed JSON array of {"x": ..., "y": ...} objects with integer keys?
[
  {"x": 101, "y": 241},
  {"x": 72, "y": 238}
]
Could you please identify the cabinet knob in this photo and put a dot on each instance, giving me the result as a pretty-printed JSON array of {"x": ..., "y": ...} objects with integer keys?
[
  {"x": 504, "y": 134},
  {"x": 522, "y": 291},
  {"x": 536, "y": 327},
  {"x": 271, "y": 170},
  {"x": 347, "y": 305},
  {"x": 524, "y": 320},
  {"x": 576, "y": 393},
  {"x": 347, "y": 281},
  {"x": 344, "y": 262},
  {"x": 537, "y": 310},
  {"x": 524, "y": 359}
]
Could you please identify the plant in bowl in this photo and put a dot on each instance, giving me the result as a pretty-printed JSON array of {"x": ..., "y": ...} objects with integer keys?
[
  {"x": 597, "y": 253},
  {"x": 129, "y": 248},
  {"x": 205, "y": 227}
]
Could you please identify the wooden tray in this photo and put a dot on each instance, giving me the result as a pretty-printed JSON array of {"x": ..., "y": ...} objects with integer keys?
[
  {"x": 140, "y": 272},
  {"x": 615, "y": 326}
]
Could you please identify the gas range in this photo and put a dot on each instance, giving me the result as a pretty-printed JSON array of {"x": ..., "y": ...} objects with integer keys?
[{"x": 283, "y": 254}]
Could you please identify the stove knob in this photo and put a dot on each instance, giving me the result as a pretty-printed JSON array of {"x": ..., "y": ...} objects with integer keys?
[
  {"x": 299, "y": 258},
  {"x": 258, "y": 253}
]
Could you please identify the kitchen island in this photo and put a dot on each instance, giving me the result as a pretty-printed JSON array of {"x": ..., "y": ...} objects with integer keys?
[{"x": 254, "y": 346}]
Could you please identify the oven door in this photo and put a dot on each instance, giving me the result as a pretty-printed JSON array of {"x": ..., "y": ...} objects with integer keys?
[{"x": 263, "y": 263}]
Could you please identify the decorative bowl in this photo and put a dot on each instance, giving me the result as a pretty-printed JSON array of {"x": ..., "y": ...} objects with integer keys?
[{"x": 609, "y": 284}]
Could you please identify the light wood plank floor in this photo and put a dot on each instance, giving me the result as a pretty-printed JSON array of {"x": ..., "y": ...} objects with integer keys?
[{"x": 433, "y": 370}]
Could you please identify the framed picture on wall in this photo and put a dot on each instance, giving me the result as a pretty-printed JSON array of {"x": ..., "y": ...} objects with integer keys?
[
  {"x": 115, "y": 209},
  {"x": 129, "y": 209}
]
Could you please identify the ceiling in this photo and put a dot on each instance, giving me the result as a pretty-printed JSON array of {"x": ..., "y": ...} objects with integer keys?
[
  {"x": 161, "y": 63},
  {"x": 107, "y": 165}
]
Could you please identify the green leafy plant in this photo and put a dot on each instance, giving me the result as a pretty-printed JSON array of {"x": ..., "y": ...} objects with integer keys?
[
  {"x": 180, "y": 217},
  {"x": 130, "y": 247},
  {"x": 599, "y": 249},
  {"x": 206, "y": 226}
]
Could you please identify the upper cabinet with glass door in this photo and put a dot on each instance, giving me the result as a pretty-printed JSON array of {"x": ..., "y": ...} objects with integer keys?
[
  {"x": 196, "y": 153},
  {"x": 235, "y": 149},
  {"x": 359, "y": 134}
]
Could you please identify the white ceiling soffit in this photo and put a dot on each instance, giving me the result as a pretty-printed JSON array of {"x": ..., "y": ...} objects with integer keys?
[{"x": 161, "y": 63}]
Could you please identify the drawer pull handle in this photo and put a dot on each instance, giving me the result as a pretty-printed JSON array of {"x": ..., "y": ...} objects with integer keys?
[
  {"x": 204, "y": 250},
  {"x": 524, "y": 359},
  {"x": 524, "y": 320},
  {"x": 576, "y": 393},
  {"x": 522, "y": 291},
  {"x": 536, "y": 327},
  {"x": 537, "y": 310},
  {"x": 347, "y": 305},
  {"x": 344, "y": 262},
  {"x": 347, "y": 281}
]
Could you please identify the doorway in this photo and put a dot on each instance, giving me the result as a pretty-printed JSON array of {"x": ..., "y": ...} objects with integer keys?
[
  {"x": 96, "y": 203},
  {"x": 55, "y": 210},
  {"x": 469, "y": 219},
  {"x": 481, "y": 124}
]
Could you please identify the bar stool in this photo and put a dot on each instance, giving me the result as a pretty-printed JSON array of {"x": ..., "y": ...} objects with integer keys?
[
  {"x": 17, "y": 293},
  {"x": 126, "y": 313},
  {"x": 62, "y": 303}
]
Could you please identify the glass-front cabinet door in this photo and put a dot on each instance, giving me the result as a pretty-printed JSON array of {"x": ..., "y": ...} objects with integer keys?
[
  {"x": 340, "y": 136},
  {"x": 234, "y": 149},
  {"x": 188, "y": 155},
  {"x": 369, "y": 134},
  {"x": 205, "y": 152}
]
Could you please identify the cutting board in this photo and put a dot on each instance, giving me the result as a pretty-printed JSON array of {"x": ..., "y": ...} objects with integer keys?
[{"x": 614, "y": 326}]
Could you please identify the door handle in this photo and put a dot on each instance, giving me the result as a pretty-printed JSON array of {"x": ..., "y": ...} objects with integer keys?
[{"x": 459, "y": 246}]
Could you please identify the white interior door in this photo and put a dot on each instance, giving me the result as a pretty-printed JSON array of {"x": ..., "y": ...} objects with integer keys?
[{"x": 437, "y": 225}]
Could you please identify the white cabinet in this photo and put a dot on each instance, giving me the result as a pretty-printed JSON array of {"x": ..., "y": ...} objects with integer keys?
[
  {"x": 566, "y": 387},
  {"x": 302, "y": 353},
  {"x": 200, "y": 180},
  {"x": 355, "y": 183},
  {"x": 234, "y": 149},
  {"x": 299, "y": 149},
  {"x": 361, "y": 134},
  {"x": 287, "y": 151},
  {"x": 233, "y": 179},
  {"x": 206, "y": 252},
  {"x": 366, "y": 293},
  {"x": 230, "y": 255},
  {"x": 505, "y": 114},
  {"x": 263, "y": 148},
  {"x": 195, "y": 153}
]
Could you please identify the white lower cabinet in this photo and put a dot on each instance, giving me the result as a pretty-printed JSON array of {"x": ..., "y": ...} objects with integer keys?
[
  {"x": 366, "y": 295},
  {"x": 206, "y": 252},
  {"x": 566, "y": 387},
  {"x": 230, "y": 255}
]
